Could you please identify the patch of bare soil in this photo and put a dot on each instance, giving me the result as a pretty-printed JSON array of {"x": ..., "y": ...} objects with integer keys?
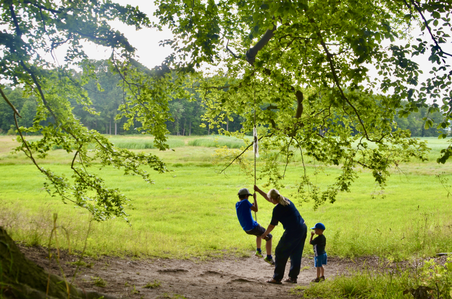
[{"x": 169, "y": 278}]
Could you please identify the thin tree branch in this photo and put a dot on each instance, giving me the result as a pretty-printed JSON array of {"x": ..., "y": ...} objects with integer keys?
[
  {"x": 233, "y": 54},
  {"x": 337, "y": 83},
  {"x": 427, "y": 26},
  {"x": 9, "y": 103},
  {"x": 29, "y": 153},
  {"x": 302, "y": 158},
  {"x": 287, "y": 156},
  {"x": 243, "y": 152}
]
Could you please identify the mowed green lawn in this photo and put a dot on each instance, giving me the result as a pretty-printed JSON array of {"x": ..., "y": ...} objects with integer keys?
[{"x": 189, "y": 212}]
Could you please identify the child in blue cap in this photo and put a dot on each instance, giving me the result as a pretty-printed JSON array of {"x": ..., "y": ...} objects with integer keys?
[{"x": 320, "y": 257}]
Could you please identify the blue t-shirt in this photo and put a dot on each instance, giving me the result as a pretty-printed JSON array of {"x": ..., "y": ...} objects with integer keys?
[
  {"x": 244, "y": 214},
  {"x": 288, "y": 216}
]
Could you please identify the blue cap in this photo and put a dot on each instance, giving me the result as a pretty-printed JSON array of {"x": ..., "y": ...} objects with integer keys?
[{"x": 319, "y": 226}]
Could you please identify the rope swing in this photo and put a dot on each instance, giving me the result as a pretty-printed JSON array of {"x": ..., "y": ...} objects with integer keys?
[{"x": 255, "y": 148}]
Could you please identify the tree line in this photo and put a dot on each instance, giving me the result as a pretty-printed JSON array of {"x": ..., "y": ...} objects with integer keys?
[{"x": 107, "y": 94}]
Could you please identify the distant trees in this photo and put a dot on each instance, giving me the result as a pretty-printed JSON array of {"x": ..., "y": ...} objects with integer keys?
[
  {"x": 26, "y": 105},
  {"x": 106, "y": 94},
  {"x": 416, "y": 123}
]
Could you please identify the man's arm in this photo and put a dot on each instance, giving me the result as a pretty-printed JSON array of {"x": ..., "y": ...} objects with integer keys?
[
  {"x": 269, "y": 230},
  {"x": 264, "y": 195}
]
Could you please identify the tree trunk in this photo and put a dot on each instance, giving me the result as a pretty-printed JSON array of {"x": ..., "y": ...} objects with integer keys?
[{"x": 23, "y": 279}]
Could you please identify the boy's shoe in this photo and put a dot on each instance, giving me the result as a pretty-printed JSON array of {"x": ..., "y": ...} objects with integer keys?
[
  {"x": 322, "y": 278},
  {"x": 258, "y": 254},
  {"x": 270, "y": 261},
  {"x": 316, "y": 280}
]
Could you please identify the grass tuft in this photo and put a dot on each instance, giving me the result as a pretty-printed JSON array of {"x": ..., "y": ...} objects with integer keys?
[
  {"x": 153, "y": 285},
  {"x": 98, "y": 281}
]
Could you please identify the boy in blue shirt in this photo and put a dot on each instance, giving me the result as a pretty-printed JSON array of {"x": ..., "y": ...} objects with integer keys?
[
  {"x": 243, "y": 208},
  {"x": 320, "y": 257}
]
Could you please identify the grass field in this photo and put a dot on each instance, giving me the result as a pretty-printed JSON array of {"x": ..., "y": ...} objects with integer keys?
[{"x": 189, "y": 212}]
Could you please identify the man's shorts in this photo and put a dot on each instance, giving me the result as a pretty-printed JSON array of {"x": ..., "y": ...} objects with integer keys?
[
  {"x": 258, "y": 231},
  {"x": 320, "y": 260}
]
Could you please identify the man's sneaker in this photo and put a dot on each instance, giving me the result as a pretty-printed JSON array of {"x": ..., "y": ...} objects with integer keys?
[
  {"x": 270, "y": 261},
  {"x": 258, "y": 254},
  {"x": 291, "y": 280}
]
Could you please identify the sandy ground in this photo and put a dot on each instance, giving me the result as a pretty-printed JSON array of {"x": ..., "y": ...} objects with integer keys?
[{"x": 167, "y": 278}]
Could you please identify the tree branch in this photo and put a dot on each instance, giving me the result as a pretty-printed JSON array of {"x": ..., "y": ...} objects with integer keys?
[
  {"x": 243, "y": 152},
  {"x": 9, "y": 103},
  {"x": 230, "y": 51},
  {"x": 252, "y": 52},
  {"x": 337, "y": 83},
  {"x": 427, "y": 26}
]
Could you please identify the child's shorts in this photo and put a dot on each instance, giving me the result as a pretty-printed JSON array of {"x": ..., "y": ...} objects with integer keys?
[
  {"x": 258, "y": 231},
  {"x": 320, "y": 260}
]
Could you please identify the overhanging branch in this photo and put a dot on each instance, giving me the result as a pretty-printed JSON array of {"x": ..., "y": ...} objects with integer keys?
[
  {"x": 243, "y": 152},
  {"x": 329, "y": 57},
  {"x": 9, "y": 103},
  {"x": 252, "y": 52},
  {"x": 426, "y": 23}
]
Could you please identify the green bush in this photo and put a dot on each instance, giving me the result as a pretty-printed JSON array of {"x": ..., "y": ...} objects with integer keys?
[{"x": 431, "y": 280}]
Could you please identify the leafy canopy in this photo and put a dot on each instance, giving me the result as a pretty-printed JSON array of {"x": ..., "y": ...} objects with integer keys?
[
  {"x": 302, "y": 71},
  {"x": 322, "y": 79},
  {"x": 33, "y": 31}
]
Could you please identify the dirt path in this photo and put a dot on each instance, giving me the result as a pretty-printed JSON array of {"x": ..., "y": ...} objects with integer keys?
[{"x": 221, "y": 278}]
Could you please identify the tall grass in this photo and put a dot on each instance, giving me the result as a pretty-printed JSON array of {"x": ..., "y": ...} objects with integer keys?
[
  {"x": 426, "y": 279},
  {"x": 189, "y": 212},
  {"x": 217, "y": 142}
]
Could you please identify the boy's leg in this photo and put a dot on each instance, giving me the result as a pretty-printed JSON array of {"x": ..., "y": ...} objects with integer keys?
[
  {"x": 258, "y": 242},
  {"x": 258, "y": 247},
  {"x": 322, "y": 268},
  {"x": 319, "y": 269},
  {"x": 268, "y": 246}
]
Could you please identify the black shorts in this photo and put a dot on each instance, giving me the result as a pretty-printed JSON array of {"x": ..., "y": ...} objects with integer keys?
[{"x": 258, "y": 231}]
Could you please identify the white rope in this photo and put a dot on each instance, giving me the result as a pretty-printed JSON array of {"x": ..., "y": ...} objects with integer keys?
[{"x": 255, "y": 148}]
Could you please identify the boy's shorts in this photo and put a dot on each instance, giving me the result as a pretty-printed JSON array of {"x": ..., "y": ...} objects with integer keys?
[
  {"x": 320, "y": 260},
  {"x": 258, "y": 231}
]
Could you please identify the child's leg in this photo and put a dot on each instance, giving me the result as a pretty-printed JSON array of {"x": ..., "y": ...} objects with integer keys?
[
  {"x": 258, "y": 242},
  {"x": 268, "y": 247},
  {"x": 322, "y": 271},
  {"x": 318, "y": 271}
]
